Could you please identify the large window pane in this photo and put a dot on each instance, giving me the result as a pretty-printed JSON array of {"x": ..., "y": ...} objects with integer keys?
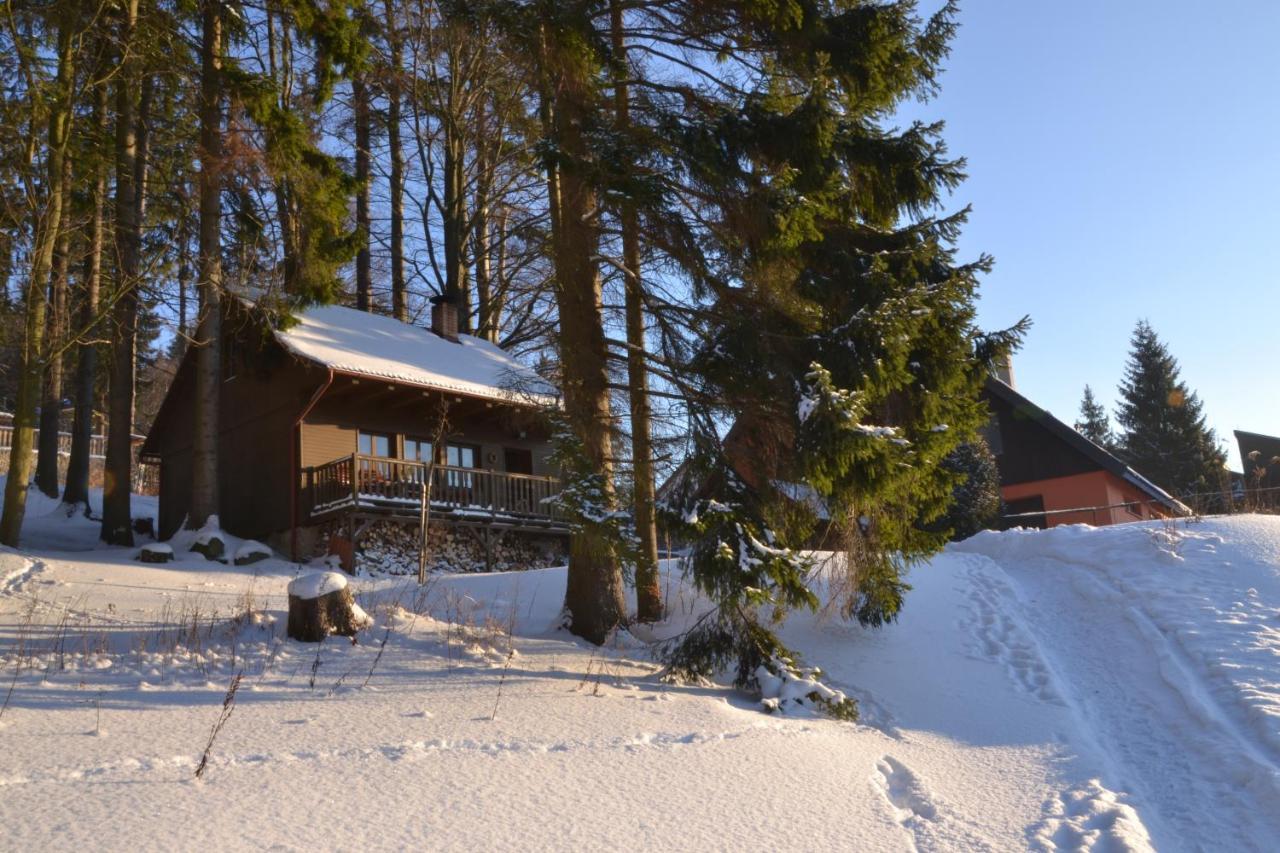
[
  {"x": 375, "y": 444},
  {"x": 461, "y": 455},
  {"x": 417, "y": 450}
]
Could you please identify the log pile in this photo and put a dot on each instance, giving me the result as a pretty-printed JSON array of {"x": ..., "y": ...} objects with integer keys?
[{"x": 391, "y": 548}]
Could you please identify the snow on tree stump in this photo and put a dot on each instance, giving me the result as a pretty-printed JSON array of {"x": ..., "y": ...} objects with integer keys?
[
  {"x": 156, "y": 553},
  {"x": 251, "y": 552},
  {"x": 320, "y": 604},
  {"x": 210, "y": 545}
]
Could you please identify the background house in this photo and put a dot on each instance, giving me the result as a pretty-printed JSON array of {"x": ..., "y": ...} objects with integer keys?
[
  {"x": 1050, "y": 474},
  {"x": 332, "y": 426},
  {"x": 1260, "y": 456}
]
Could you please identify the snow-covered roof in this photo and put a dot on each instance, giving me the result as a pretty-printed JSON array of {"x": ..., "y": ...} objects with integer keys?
[{"x": 357, "y": 342}]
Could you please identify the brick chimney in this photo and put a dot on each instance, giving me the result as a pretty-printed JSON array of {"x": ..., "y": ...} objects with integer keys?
[{"x": 444, "y": 318}]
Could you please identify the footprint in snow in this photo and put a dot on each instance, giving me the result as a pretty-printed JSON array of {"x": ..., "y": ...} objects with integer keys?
[
  {"x": 903, "y": 790},
  {"x": 1089, "y": 817}
]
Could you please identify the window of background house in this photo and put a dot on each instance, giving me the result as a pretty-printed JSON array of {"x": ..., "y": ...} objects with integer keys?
[{"x": 1024, "y": 507}]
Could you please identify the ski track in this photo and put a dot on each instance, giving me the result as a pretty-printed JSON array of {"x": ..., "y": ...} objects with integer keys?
[
  {"x": 397, "y": 752},
  {"x": 1199, "y": 778}
]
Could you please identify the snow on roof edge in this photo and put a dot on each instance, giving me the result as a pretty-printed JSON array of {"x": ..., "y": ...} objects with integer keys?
[{"x": 385, "y": 348}]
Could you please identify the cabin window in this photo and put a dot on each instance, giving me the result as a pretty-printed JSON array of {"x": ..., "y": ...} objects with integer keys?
[
  {"x": 462, "y": 456},
  {"x": 375, "y": 444},
  {"x": 417, "y": 450},
  {"x": 1134, "y": 508},
  {"x": 517, "y": 460}
]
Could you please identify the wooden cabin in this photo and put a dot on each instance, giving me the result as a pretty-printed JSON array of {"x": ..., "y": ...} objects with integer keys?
[
  {"x": 333, "y": 423},
  {"x": 1050, "y": 474}
]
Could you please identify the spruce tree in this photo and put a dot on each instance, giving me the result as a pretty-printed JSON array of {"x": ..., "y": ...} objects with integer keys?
[
  {"x": 838, "y": 332},
  {"x": 1164, "y": 435},
  {"x": 1094, "y": 423}
]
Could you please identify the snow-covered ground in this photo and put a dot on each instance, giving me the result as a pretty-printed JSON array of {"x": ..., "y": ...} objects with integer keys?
[{"x": 1109, "y": 689}]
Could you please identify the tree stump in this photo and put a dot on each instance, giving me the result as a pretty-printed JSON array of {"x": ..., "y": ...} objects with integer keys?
[
  {"x": 210, "y": 546},
  {"x": 320, "y": 604},
  {"x": 156, "y": 553}
]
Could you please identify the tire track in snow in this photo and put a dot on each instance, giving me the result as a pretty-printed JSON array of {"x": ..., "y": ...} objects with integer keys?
[
  {"x": 1084, "y": 817},
  {"x": 1151, "y": 721}
]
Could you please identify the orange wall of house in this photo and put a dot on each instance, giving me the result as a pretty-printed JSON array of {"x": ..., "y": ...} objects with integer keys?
[{"x": 1096, "y": 488}]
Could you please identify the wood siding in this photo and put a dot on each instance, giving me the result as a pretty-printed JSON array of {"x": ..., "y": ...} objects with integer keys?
[
  {"x": 1027, "y": 451},
  {"x": 323, "y": 441},
  {"x": 260, "y": 399}
]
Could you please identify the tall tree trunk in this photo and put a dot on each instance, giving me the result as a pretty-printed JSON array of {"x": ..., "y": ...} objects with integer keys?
[
  {"x": 499, "y": 283},
  {"x": 281, "y": 68},
  {"x": 480, "y": 235},
  {"x": 399, "y": 302},
  {"x": 31, "y": 368},
  {"x": 364, "y": 274},
  {"x": 454, "y": 225},
  {"x": 593, "y": 591},
  {"x": 117, "y": 522},
  {"x": 55, "y": 340},
  {"x": 184, "y": 279},
  {"x": 648, "y": 588},
  {"x": 77, "y": 488},
  {"x": 208, "y": 339}
]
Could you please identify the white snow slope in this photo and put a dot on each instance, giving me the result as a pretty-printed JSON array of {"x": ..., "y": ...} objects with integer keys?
[{"x": 1107, "y": 689}]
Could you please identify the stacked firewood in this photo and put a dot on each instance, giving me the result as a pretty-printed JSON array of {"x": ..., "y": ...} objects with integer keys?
[{"x": 390, "y": 548}]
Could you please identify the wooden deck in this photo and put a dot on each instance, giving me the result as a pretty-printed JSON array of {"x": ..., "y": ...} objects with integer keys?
[{"x": 371, "y": 486}]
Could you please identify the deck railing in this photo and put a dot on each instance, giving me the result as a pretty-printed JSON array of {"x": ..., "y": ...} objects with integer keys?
[
  {"x": 97, "y": 443},
  {"x": 358, "y": 481}
]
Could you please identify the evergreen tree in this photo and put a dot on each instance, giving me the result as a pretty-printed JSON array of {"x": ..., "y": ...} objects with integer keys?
[
  {"x": 1094, "y": 423},
  {"x": 1165, "y": 436},
  {"x": 840, "y": 337},
  {"x": 975, "y": 501}
]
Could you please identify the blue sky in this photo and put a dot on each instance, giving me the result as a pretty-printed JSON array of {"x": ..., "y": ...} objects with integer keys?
[{"x": 1124, "y": 163}]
